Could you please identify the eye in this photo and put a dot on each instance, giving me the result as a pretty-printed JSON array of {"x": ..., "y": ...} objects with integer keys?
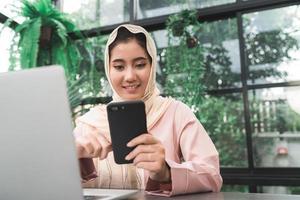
[
  {"x": 119, "y": 67},
  {"x": 140, "y": 65}
]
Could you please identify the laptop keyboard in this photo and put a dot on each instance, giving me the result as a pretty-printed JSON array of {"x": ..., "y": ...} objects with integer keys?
[{"x": 89, "y": 197}]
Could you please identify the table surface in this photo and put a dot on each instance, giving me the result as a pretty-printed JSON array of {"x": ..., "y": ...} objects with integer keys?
[{"x": 218, "y": 196}]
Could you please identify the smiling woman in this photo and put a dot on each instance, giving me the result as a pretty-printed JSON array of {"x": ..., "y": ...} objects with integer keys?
[{"x": 175, "y": 156}]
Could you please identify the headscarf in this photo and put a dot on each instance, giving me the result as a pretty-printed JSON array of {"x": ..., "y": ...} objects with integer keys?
[
  {"x": 155, "y": 104},
  {"x": 108, "y": 171}
]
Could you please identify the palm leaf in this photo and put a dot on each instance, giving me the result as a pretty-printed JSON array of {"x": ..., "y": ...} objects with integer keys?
[{"x": 29, "y": 44}]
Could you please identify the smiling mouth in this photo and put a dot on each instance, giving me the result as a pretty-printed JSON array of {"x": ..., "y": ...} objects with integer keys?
[{"x": 131, "y": 88}]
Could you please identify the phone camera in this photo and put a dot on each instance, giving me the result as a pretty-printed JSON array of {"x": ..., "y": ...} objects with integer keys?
[
  {"x": 114, "y": 108},
  {"x": 123, "y": 107}
]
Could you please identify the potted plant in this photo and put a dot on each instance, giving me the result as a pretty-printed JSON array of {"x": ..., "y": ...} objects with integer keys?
[
  {"x": 43, "y": 39},
  {"x": 178, "y": 23}
]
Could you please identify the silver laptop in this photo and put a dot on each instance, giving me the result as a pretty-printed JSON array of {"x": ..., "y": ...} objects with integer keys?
[{"x": 37, "y": 151}]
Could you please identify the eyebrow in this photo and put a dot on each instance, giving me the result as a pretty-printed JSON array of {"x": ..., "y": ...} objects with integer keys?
[
  {"x": 134, "y": 60},
  {"x": 139, "y": 58},
  {"x": 118, "y": 60}
]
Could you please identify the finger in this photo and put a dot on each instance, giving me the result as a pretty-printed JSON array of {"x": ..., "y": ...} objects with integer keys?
[
  {"x": 84, "y": 148},
  {"x": 106, "y": 146},
  {"x": 140, "y": 149},
  {"x": 80, "y": 150},
  {"x": 144, "y": 157},
  {"x": 145, "y": 138},
  {"x": 153, "y": 167},
  {"x": 96, "y": 145}
]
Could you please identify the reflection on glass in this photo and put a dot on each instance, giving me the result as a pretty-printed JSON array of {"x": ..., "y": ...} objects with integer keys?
[
  {"x": 93, "y": 13},
  {"x": 280, "y": 190},
  {"x": 222, "y": 56},
  {"x": 92, "y": 66},
  {"x": 222, "y": 117},
  {"x": 219, "y": 53},
  {"x": 273, "y": 45},
  {"x": 146, "y": 9},
  {"x": 275, "y": 119},
  {"x": 235, "y": 188}
]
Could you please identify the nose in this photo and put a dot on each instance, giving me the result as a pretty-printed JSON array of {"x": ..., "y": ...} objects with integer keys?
[{"x": 130, "y": 74}]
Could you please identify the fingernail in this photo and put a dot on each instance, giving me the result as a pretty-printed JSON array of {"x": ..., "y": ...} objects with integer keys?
[
  {"x": 127, "y": 157},
  {"x": 129, "y": 144}
]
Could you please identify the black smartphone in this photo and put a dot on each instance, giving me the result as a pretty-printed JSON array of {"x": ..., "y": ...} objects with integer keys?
[{"x": 127, "y": 120}]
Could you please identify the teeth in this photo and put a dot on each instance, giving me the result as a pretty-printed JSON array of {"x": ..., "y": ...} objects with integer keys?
[{"x": 131, "y": 86}]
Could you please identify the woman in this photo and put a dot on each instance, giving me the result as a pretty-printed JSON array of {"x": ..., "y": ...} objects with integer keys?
[{"x": 175, "y": 157}]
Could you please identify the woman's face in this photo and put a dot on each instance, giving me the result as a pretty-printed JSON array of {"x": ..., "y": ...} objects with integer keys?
[{"x": 129, "y": 70}]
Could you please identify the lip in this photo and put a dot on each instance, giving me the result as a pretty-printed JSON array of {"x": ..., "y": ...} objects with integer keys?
[{"x": 131, "y": 88}]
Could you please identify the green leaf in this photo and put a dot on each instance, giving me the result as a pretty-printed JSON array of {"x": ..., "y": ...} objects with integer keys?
[{"x": 29, "y": 44}]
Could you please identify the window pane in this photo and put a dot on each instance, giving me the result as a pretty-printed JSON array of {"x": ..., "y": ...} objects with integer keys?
[
  {"x": 280, "y": 190},
  {"x": 222, "y": 117},
  {"x": 273, "y": 45},
  {"x": 222, "y": 56},
  {"x": 146, "y": 9},
  {"x": 10, "y": 9},
  {"x": 93, "y": 13},
  {"x": 220, "y": 50},
  {"x": 275, "y": 119},
  {"x": 234, "y": 188}
]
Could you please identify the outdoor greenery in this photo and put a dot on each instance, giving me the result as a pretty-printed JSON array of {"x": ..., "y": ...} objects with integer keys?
[
  {"x": 43, "y": 39},
  {"x": 190, "y": 72}
]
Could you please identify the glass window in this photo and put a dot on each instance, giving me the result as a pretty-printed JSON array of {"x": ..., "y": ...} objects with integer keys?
[
  {"x": 95, "y": 13},
  {"x": 180, "y": 79},
  {"x": 222, "y": 117},
  {"x": 6, "y": 36},
  {"x": 280, "y": 190},
  {"x": 234, "y": 188},
  {"x": 222, "y": 56},
  {"x": 220, "y": 49},
  {"x": 273, "y": 45},
  {"x": 275, "y": 119},
  {"x": 146, "y": 9},
  {"x": 10, "y": 9}
]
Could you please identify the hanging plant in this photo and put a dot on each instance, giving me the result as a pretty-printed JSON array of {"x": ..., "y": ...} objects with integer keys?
[
  {"x": 43, "y": 39},
  {"x": 184, "y": 66},
  {"x": 178, "y": 24}
]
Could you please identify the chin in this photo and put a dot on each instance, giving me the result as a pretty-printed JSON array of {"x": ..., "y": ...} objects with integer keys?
[{"x": 132, "y": 97}]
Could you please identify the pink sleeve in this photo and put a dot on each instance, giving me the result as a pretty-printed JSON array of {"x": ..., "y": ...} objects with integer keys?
[
  {"x": 87, "y": 169},
  {"x": 199, "y": 170}
]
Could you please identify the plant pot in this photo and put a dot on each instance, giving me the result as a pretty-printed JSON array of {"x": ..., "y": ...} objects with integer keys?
[
  {"x": 178, "y": 28},
  {"x": 191, "y": 41},
  {"x": 45, "y": 37}
]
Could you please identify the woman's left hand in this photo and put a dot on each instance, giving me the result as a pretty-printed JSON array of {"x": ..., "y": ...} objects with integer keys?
[{"x": 149, "y": 154}]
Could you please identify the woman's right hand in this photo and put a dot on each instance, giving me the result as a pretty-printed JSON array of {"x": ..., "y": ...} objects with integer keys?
[{"x": 91, "y": 144}]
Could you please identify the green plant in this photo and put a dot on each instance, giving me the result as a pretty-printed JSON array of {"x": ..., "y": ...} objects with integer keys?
[
  {"x": 180, "y": 26},
  {"x": 184, "y": 67},
  {"x": 44, "y": 39}
]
